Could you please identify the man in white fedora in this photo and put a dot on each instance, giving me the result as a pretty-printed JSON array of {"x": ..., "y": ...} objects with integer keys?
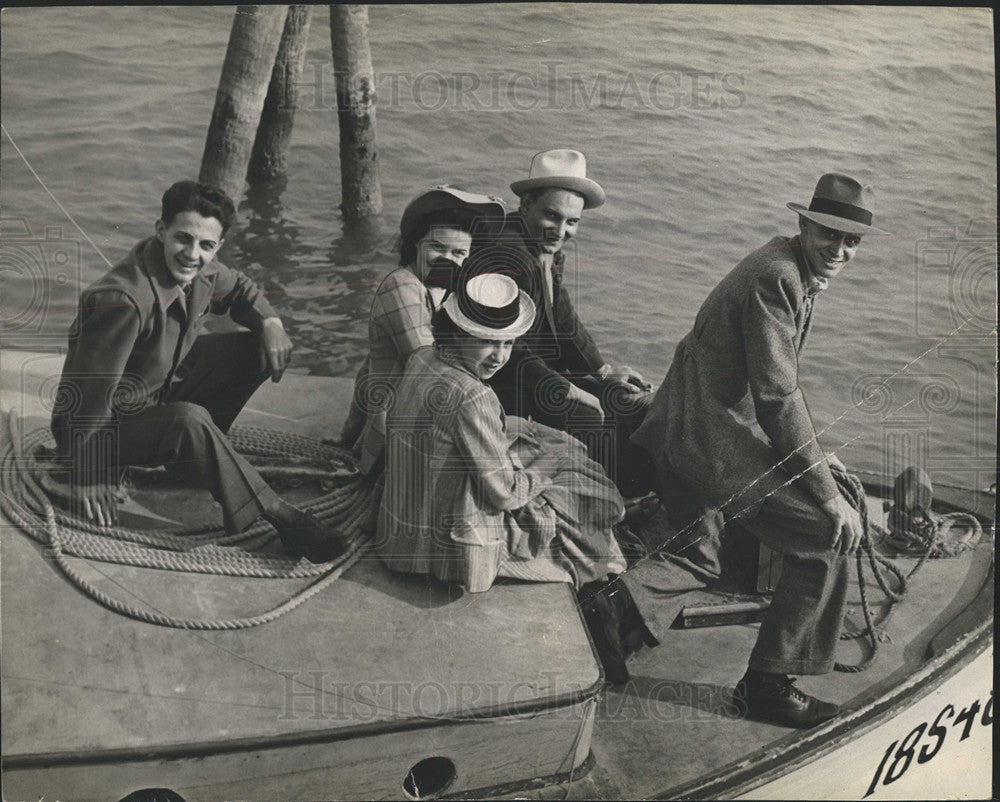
[
  {"x": 729, "y": 432},
  {"x": 556, "y": 374}
]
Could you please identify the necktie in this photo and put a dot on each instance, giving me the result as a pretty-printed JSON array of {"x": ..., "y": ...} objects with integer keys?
[{"x": 548, "y": 290}]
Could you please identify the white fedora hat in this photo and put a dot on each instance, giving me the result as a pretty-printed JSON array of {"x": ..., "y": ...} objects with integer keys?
[
  {"x": 564, "y": 169},
  {"x": 490, "y": 306}
]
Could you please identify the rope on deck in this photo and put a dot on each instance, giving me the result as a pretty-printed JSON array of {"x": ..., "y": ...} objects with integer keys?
[
  {"x": 933, "y": 542},
  {"x": 203, "y": 549}
]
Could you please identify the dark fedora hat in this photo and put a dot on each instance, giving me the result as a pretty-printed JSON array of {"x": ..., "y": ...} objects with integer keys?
[{"x": 840, "y": 203}]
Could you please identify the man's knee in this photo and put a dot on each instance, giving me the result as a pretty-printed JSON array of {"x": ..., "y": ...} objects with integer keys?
[
  {"x": 237, "y": 352},
  {"x": 548, "y": 401},
  {"x": 790, "y": 522},
  {"x": 186, "y": 418},
  {"x": 246, "y": 347}
]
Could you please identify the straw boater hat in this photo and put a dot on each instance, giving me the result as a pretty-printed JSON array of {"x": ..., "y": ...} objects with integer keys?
[
  {"x": 564, "y": 169},
  {"x": 444, "y": 196},
  {"x": 841, "y": 203},
  {"x": 490, "y": 306}
]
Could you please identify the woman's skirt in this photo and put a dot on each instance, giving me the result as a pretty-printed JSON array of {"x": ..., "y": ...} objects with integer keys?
[{"x": 564, "y": 534}]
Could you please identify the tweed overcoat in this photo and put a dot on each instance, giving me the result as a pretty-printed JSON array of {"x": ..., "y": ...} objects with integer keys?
[{"x": 730, "y": 416}]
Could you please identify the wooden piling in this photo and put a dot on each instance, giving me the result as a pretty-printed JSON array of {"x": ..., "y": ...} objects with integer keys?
[
  {"x": 361, "y": 192},
  {"x": 246, "y": 74},
  {"x": 270, "y": 149}
]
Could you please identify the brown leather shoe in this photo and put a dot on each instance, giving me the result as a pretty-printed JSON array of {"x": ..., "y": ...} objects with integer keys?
[
  {"x": 774, "y": 698},
  {"x": 304, "y": 536}
]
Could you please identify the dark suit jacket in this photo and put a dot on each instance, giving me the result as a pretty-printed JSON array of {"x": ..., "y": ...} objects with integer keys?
[
  {"x": 130, "y": 334},
  {"x": 557, "y": 342},
  {"x": 731, "y": 408}
]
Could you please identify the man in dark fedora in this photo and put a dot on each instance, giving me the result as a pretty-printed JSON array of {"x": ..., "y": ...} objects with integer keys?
[
  {"x": 729, "y": 432},
  {"x": 556, "y": 374}
]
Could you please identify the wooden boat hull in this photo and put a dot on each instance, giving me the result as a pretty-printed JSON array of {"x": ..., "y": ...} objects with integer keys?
[{"x": 505, "y": 686}]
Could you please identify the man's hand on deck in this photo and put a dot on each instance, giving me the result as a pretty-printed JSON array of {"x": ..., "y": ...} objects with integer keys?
[
  {"x": 276, "y": 346},
  {"x": 625, "y": 375},
  {"x": 98, "y": 503},
  {"x": 847, "y": 528}
]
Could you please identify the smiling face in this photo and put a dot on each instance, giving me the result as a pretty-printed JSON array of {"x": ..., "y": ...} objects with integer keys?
[
  {"x": 552, "y": 217},
  {"x": 482, "y": 357},
  {"x": 190, "y": 243},
  {"x": 441, "y": 251},
  {"x": 826, "y": 249}
]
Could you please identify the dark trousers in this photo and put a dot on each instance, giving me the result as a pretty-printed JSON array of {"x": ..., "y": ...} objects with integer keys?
[
  {"x": 801, "y": 628},
  {"x": 185, "y": 431},
  {"x": 607, "y": 440}
]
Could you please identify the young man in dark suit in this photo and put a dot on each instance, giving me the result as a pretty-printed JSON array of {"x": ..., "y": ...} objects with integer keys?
[{"x": 142, "y": 385}]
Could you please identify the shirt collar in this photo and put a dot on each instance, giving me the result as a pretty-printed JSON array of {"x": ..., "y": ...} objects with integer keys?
[
  {"x": 811, "y": 283},
  {"x": 448, "y": 356}
]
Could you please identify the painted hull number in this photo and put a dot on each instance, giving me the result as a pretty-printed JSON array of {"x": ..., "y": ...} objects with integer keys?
[{"x": 900, "y": 754}]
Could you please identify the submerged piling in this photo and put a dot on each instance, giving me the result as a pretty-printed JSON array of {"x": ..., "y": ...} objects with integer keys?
[
  {"x": 361, "y": 192},
  {"x": 270, "y": 149},
  {"x": 246, "y": 74}
]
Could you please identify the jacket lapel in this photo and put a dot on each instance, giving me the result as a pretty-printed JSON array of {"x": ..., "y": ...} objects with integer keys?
[
  {"x": 163, "y": 284},
  {"x": 803, "y": 318},
  {"x": 201, "y": 292}
]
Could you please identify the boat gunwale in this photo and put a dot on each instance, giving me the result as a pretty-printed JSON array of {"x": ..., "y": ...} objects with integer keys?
[{"x": 797, "y": 749}]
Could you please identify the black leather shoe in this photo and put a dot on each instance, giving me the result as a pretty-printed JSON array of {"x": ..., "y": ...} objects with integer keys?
[
  {"x": 774, "y": 698},
  {"x": 304, "y": 536},
  {"x": 614, "y": 624},
  {"x": 605, "y": 629}
]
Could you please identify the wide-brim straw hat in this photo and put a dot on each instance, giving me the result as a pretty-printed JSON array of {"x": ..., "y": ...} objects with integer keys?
[
  {"x": 840, "y": 203},
  {"x": 490, "y": 209},
  {"x": 562, "y": 169},
  {"x": 490, "y": 306}
]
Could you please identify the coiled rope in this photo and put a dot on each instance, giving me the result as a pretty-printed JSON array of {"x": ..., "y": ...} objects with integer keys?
[
  {"x": 931, "y": 540},
  {"x": 204, "y": 549}
]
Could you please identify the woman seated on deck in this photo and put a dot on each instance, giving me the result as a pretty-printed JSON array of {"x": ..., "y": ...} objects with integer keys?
[
  {"x": 471, "y": 495},
  {"x": 436, "y": 233}
]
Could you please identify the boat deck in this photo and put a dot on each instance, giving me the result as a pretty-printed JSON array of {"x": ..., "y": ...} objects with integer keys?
[
  {"x": 676, "y": 705},
  {"x": 405, "y": 667}
]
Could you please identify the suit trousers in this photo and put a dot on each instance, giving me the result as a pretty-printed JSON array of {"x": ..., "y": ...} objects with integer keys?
[
  {"x": 185, "y": 431},
  {"x": 801, "y": 628}
]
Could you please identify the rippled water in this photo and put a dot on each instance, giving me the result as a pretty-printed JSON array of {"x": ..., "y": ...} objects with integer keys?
[{"x": 700, "y": 122}]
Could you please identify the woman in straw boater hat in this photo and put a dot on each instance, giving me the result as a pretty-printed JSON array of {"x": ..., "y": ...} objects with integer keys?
[
  {"x": 436, "y": 235},
  {"x": 470, "y": 496}
]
